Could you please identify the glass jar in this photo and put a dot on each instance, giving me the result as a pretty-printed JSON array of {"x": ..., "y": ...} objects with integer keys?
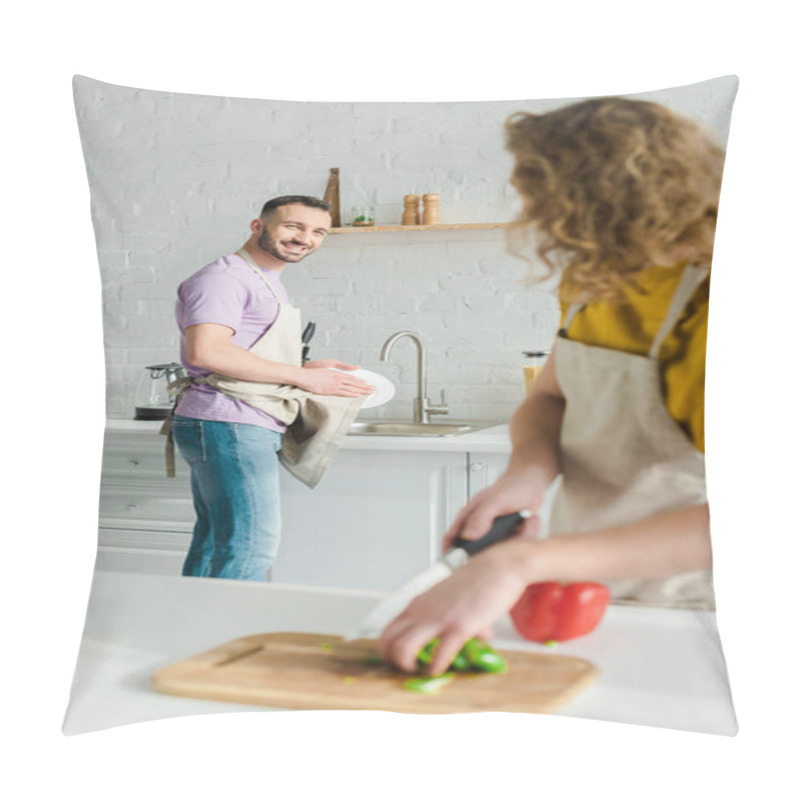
[
  {"x": 532, "y": 365},
  {"x": 363, "y": 216}
]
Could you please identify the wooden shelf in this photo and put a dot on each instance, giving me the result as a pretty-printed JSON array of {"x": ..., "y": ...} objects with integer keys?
[{"x": 465, "y": 226}]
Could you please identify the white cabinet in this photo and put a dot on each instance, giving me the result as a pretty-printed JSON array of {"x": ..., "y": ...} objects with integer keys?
[
  {"x": 145, "y": 518},
  {"x": 374, "y": 520},
  {"x": 140, "y": 551},
  {"x": 483, "y": 469}
]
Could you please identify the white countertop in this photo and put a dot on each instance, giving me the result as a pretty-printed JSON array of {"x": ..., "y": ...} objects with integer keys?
[
  {"x": 488, "y": 440},
  {"x": 658, "y": 667}
]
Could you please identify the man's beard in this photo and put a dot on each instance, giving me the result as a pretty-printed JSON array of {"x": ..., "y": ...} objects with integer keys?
[{"x": 268, "y": 245}]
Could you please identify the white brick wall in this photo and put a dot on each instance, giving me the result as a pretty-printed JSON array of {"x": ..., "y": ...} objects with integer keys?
[{"x": 176, "y": 179}]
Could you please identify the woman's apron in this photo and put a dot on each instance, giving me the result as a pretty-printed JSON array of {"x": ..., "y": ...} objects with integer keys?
[
  {"x": 623, "y": 456},
  {"x": 316, "y": 424}
]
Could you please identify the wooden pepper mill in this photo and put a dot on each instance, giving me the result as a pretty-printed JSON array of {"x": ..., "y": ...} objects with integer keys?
[
  {"x": 332, "y": 196},
  {"x": 411, "y": 209},
  {"x": 430, "y": 213}
]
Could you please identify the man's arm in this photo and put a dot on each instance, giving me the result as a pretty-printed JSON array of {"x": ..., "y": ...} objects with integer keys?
[{"x": 209, "y": 346}]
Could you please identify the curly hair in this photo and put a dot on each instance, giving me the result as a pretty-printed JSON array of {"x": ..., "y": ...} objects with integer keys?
[{"x": 611, "y": 186}]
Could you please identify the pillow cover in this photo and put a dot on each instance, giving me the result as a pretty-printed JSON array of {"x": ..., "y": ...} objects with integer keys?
[{"x": 423, "y": 200}]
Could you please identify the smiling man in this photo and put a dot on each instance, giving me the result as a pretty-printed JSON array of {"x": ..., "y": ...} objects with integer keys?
[{"x": 225, "y": 311}]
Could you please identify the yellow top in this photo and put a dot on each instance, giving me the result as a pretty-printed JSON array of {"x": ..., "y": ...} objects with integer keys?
[{"x": 631, "y": 325}]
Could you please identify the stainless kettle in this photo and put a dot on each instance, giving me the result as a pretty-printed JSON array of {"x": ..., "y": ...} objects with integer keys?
[{"x": 153, "y": 401}]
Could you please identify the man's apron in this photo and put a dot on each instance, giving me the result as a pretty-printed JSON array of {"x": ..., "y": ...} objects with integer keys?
[
  {"x": 316, "y": 424},
  {"x": 623, "y": 456}
]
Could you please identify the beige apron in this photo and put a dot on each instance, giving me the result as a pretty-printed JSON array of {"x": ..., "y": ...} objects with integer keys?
[
  {"x": 623, "y": 456},
  {"x": 316, "y": 424}
]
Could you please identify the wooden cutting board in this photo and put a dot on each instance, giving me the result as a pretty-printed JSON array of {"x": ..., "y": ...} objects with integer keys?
[{"x": 317, "y": 672}]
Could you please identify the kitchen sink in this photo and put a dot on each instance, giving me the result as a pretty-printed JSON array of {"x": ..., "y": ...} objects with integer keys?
[{"x": 401, "y": 428}]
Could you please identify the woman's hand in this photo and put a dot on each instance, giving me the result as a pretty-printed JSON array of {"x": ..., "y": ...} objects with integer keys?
[
  {"x": 512, "y": 492},
  {"x": 533, "y": 466},
  {"x": 459, "y": 608},
  {"x": 323, "y": 377}
]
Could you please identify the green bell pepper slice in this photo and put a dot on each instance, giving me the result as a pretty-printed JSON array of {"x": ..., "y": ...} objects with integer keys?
[
  {"x": 428, "y": 685},
  {"x": 475, "y": 655},
  {"x": 482, "y": 657}
]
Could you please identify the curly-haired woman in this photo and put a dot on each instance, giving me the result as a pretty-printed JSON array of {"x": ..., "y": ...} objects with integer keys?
[{"x": 620, "y": 197}]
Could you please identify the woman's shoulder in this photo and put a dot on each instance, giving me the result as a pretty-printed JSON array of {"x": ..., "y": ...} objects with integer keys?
[
  {"x": 632, "y": 320},
  {"x": 650, "y": 287}
]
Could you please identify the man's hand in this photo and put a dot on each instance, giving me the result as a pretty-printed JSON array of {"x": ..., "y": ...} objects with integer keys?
[
  {"x": 328, "y": 363},
  {"x": 209, "y": 346},
  {"x": 323, "y": 377}
]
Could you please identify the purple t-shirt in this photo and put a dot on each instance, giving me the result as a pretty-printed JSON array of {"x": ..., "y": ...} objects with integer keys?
[{"x": 226, "y": 292}]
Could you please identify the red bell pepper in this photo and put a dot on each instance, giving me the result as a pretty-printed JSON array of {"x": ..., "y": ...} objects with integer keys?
[{"x": 556, "y": 612}]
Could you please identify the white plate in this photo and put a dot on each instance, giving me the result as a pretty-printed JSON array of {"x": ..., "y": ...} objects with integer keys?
[{"x": 385, "y": 388}]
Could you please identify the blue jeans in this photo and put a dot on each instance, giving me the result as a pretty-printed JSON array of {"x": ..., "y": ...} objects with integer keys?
[{"x": 234, "y": 478}]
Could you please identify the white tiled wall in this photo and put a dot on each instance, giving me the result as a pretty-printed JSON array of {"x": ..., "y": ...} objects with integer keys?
[{"x": 176, "y": 179}]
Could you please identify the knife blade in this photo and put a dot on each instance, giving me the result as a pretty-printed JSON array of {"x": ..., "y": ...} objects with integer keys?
[{"x": 393, "y": 604}]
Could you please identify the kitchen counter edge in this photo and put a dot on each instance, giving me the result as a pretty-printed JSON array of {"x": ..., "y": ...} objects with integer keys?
[{"x": 494, "y": 439}]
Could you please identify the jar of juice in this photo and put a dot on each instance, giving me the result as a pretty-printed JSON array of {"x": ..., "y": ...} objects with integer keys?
[{"x": 532, "y": 366}]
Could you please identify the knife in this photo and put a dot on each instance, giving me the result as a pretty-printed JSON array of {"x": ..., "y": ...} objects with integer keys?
[
  {"x": 387, "y": 609},
  {"x": 306, "y": 338}
]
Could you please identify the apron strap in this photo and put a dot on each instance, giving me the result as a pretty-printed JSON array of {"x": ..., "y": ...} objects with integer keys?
[
  {"x": 176, "y": 389},
  {"x": 691, "y": 278},
  {"x": 248, "y": 259},
  {"x": 169, "y": 450},
  {"x": 572, "y": 312}
]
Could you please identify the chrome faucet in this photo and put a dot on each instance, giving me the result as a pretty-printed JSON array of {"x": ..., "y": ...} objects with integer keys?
[{"x": 422, "y": 406}]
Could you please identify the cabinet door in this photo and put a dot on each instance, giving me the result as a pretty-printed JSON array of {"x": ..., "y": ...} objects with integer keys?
[
  {"x": 483, "y": 469},
  {"x": 147, "y": 506},
  {"x": 135, "y": 493},
  {"x": 375, "y": 519},
  {"x": 132, "y": 456},
  {"x": 145, "y": 518},
  {"x": 148, "y": 552}
]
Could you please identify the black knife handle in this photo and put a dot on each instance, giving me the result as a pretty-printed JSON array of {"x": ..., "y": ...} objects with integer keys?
[
  {"x": 502, "y": 528},
  {"x": 308, "y": 332}
]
